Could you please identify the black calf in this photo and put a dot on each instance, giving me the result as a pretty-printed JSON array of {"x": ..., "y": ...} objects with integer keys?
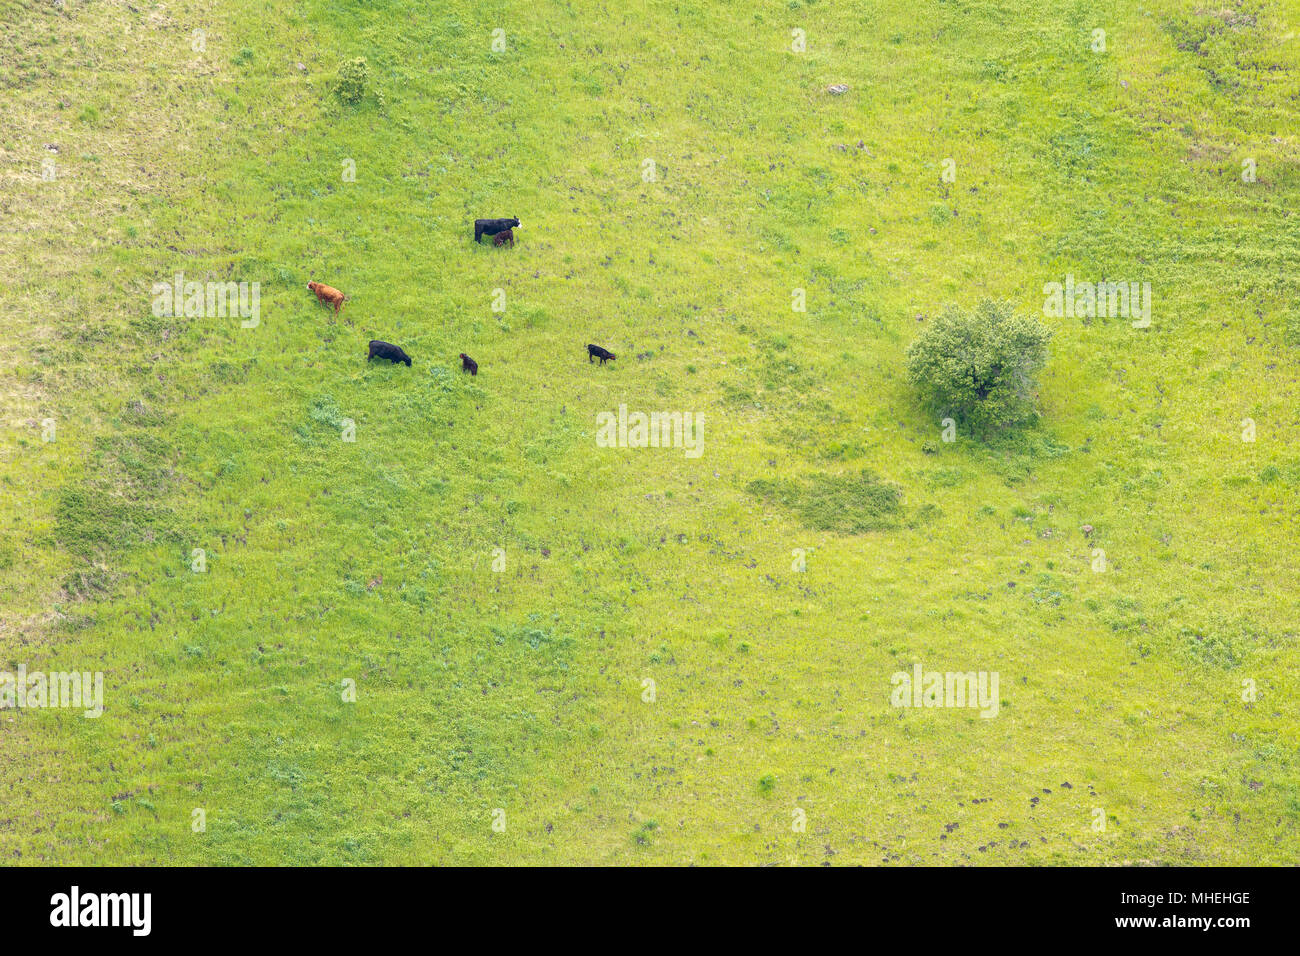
[
  {"x": 595, "y": 351},
  {"x": 385, "y": 350},
  {"x": 467, "y": 364},
  {"x": 490, "y": 227}
]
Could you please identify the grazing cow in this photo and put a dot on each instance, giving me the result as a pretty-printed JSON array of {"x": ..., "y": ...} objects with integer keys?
[
  {"x": 467, "y": 364},
  {"x": 595, "y": 351},
  {"x": 504, "y": 236},
  {"x": 385, "y": 350},
  {"x": 490, "y": 227},
  {"x": 327, "y": 294}
]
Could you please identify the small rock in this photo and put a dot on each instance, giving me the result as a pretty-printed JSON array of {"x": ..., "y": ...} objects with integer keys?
[
  {"x": 1087, "y": 530},
  {"x": 302, "y": 68},
  {"x": 837, "y": 89}
]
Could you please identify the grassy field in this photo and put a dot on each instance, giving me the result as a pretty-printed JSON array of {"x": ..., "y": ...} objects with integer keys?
[{"x": 611, "y": 653}]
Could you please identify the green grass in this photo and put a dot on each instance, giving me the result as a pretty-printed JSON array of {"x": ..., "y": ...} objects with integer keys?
[{"x": 370, "y": 563}]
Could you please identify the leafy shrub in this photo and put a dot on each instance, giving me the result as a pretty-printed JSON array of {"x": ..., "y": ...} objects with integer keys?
[
  {"x": 350, "y": 87},
  {"x": 353, "y": 84},
  {"x": 979, "y": 365}
]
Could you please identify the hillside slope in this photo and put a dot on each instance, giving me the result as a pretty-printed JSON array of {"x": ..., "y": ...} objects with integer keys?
[{"x": 610, "y": 652}]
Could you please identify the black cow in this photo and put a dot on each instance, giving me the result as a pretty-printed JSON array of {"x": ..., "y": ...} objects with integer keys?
[
  {"x": 385, "y": 350},
  {"x": 490, "y": 227},
  {"x": 467, "y": 364},
  {"x": 595, "y": 351}
]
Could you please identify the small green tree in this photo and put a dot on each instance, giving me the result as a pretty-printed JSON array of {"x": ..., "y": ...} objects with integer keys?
[
  {"x": 354, "y": 77},
  {"x": 353, "y": 86},
  {"x": 978, "y": 365}
]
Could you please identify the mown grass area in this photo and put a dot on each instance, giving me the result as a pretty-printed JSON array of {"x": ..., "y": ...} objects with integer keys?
[{"x": 525, "y": 689}]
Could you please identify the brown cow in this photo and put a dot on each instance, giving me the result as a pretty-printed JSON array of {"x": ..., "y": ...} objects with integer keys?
[{"x": 328, "y": 295}]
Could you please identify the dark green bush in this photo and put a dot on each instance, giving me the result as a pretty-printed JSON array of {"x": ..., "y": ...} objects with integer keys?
[{"x": 354, "y": 78}]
